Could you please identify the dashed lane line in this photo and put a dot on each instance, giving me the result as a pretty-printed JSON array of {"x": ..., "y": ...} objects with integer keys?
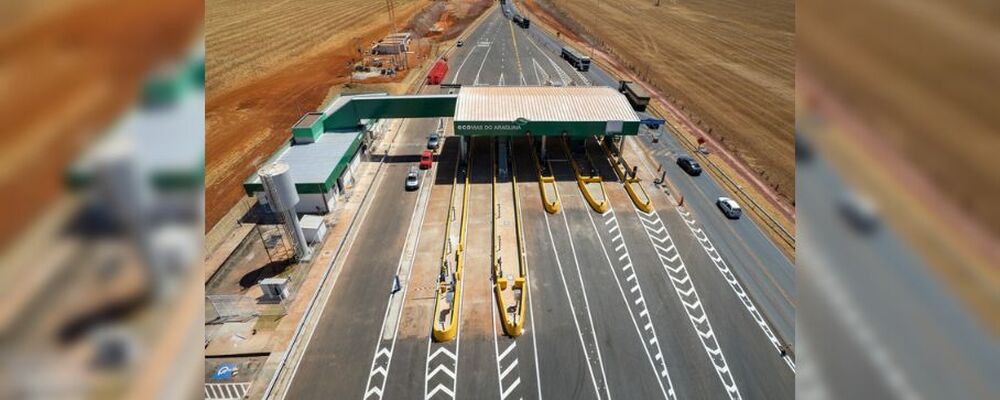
[
  {"x": 670, "y": 258},
  {"x": 728, "y": 275},
  {"x": 635, "y": 302},
  {"x": 379, "y": 371},
  {"x": 598, "y": 385}
]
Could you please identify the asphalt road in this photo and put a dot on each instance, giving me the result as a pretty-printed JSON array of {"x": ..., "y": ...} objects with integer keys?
[
  {"x": 621, "y": 305},
  {"x": 889, "y": 323}
]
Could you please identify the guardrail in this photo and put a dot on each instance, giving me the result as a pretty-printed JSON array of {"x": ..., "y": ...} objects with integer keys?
[
  {"x": 583, "y": 180},
  {"x": 516, "y": 327},
  {"x": 448, "y": 331},
  {"x": 618, "y": 162},
  {"x": 786, "y": 236},
  {"x": 553, "y": 206}
]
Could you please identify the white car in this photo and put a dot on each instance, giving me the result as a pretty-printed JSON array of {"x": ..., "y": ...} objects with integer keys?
[{"x": 729, "y": 207}]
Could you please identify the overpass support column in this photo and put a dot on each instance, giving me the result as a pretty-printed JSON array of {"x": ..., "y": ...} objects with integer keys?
[{"x": 543, "y": 147}]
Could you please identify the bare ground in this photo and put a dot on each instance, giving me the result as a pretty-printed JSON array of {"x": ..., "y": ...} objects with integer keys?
[
  {"x": 729, "y": 65},
  {"x": 249, "y": 111}
]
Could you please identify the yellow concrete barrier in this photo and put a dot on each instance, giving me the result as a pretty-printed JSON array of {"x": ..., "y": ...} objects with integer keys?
[
  {"x": 583, "y": 180},
  {"x": 448, "y": 332},
  {"x": 551, "y": 207},
  {"x": 515, "y": 327},
  {"x": 643, "y": 201}
]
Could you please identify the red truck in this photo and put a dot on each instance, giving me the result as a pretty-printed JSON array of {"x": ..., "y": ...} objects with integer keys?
[{"x": 438, "y": 71}]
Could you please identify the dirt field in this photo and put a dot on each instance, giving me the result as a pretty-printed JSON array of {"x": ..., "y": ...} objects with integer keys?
[
  {"x": 75, "y": 66},
  {"x": 254, "y": 100},
  {"x": 247, "y": 38},
  {"x": 923, "y": 75},
  {"x": 730, "y": 64}
]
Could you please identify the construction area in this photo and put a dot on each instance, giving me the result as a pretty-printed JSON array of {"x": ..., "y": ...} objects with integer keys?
[{"x": 501, "y": 228}]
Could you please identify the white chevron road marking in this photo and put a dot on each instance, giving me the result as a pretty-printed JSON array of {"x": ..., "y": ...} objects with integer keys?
[{"x": 678, "y": 276}]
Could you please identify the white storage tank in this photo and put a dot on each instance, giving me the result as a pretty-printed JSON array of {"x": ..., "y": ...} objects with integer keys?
[
  {"x": 280, "y": 189},
  {"x": 282, "y": 198}
]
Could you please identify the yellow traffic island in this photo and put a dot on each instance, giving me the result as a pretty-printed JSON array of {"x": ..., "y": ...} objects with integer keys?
[
  {"x": 630, "y": 180},
  {"x": 448, "y": 304},
  {"x": 511, "y": 300},
  {"x": 588, "y": 183},
  {"x": 546, "y": 184}
]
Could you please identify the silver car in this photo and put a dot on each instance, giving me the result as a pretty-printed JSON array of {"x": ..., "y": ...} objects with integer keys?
[
  {"x": 433, "y": 141},
  {"x": 413, "y": 179},
  {"x": 729, "y": 207}
]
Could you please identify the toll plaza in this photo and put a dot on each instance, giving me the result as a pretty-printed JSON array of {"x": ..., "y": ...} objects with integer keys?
[
  {"x": 325, "y": 146},
  {"x": 574, "y": 113}
]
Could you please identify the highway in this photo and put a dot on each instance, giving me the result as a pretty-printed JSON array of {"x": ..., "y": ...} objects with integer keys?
[
  {"x": 891, "y": 325},
  {"x": 624, "y": 304}
]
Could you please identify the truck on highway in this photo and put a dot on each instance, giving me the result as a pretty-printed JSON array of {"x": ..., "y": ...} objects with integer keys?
[
  {"x": 437, "y": 73},
  {"x": 575, "y": 58},
  {"x": 521, "y": 21},
  {"x": 636, "y": 95}
]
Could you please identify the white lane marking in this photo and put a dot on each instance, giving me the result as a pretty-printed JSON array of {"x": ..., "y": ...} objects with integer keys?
[
  {"x": 446, "y": 369},
  {"x": 697, "y": 315},
  {"x": 538, "y": 68},
  {"x": 226, "y": 391},
  {"x": 393, "y": 310},
  {"x": 489, "y": 48},
  {"x": 562, "y": 74},
  {"x": 576, "y": 322},
  {"x": 660, "y": 371},
  {"x": 447, "y": 361},
  {"x": 334, "y": 271},
  {"x": 728, "y": 275},
  {"x": 847, "y": 311},
  {"x": 586, "y": 303},
  {"x": 462, "y": 64},
  {"x": 534, "y": 343},
  {"x": 504, "y": 371}
]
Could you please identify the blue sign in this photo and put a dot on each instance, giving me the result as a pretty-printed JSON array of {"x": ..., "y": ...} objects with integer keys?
[{"x": 224, "y": 371}]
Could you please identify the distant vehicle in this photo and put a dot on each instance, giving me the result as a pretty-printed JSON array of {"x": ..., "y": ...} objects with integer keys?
[
  {"x": 729, "y": 207},
  {"x": 521, "y": 21},
  {"x": 413, "y": 179},
  {"x": 803, "y": 150},
  {"x": 437, "y": 72},
  {"x": 636, "y": 95},
  {"x": 689, "y": 165},
  {"x": 426, "y": 159},
  {"x": 575, "y": 58},
  {"x": 652, "y": 123},
  {"x": 859, "y": 211},
  {"x": 460, "y": 43},
  {"x": 434, "y": 141}
]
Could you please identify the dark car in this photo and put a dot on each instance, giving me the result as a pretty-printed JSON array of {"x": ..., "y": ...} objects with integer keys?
[
  {"x": 460, "y": 43},
  {"x": 689, "y": 165}
]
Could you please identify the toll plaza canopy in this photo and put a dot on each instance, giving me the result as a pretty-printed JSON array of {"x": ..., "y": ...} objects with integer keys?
[
  {"x": 487, "y": 111},
  {"x": 543, "y": 111}
]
